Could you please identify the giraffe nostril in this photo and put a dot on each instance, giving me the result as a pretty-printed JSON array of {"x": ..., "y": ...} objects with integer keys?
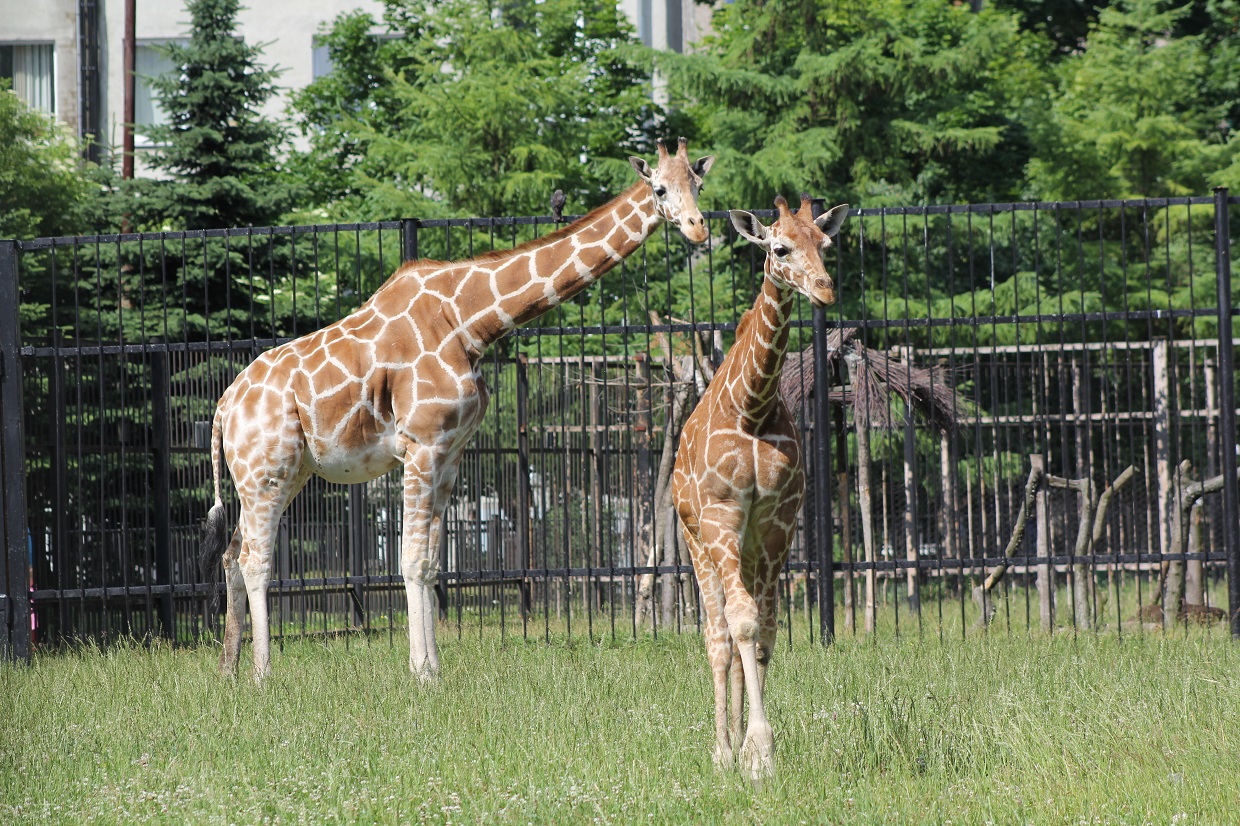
[{"x": 821, "y": 283}]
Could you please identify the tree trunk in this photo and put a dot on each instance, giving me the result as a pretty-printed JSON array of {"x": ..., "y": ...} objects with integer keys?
[
  {"x": 1194, "y": 576},
  {"x": 981, "y": 594}
]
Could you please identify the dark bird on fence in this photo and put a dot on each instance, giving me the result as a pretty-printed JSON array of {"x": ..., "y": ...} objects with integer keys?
[{"x": 557, "y": 205}]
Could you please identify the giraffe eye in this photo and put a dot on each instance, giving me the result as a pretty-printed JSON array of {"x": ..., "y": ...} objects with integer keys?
[
  {"x": 781, "y": 252},
  {"x": 660, "y": 191}
]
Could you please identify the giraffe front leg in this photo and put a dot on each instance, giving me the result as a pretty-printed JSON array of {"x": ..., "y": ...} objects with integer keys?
[
  {"x": 419, "y": 558},
  {"x": 718, "y": 645}
]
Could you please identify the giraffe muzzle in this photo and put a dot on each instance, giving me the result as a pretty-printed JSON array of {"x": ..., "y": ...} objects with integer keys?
[
  {"x": 694, "y": 228},
  {"x": 823, "y": 294}
]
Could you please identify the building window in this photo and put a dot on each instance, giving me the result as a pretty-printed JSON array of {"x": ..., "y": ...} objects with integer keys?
[
  {"x": 321, "y": 59},
  {"x": 149, "y": 62},
  {"x": 32, "y": 69}
]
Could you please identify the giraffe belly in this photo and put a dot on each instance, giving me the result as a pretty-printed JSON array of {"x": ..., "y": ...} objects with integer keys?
[{"x": 337, "y": 464}]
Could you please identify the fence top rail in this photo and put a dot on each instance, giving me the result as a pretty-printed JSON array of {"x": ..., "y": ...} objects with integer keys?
[
  {"x": 194, "y": 234},
  {"x": 503, "y": 221}
]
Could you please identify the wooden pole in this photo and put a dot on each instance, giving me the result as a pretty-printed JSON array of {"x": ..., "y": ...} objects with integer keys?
[
  {"x": 1159, "y": 353},
  {"x": 866, "y": 500},
  {"x": 1046, "y": 574},
  {"x": 127, "y": 115}
]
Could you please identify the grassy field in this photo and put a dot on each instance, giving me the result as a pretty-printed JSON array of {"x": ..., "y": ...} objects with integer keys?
[{"x": 999, "y": 729}]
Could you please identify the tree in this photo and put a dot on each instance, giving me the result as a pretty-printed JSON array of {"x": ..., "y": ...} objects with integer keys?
[
  {"x": 874, "y": 102},
  {"x": 218, "y": 156},
  {"x": 475, "y": 107},
  {"x": 43, "y": 187},
  {"x": 1140, "y": 112}
]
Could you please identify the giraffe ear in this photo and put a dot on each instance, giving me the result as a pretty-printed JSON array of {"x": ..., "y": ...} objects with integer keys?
[
  {"x": 642, "y": 167},
  {"x": 749, "y": 227},
  {"x": 702, "y": 165},
  {"x": 831, "y": 220}
]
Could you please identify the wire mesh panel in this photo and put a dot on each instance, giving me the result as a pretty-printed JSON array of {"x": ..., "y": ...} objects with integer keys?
[{"x": 1022, "y": 427}]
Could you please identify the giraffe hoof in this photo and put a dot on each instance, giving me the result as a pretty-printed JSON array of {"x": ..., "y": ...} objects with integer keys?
[
  {"x": 757, "y": 756},
  {"x": 723, "y": 758}
]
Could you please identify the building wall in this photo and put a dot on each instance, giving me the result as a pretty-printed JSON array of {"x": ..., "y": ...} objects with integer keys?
[
  {"x": 285, "y": 29},
  {"x": 668, "y": 24}
]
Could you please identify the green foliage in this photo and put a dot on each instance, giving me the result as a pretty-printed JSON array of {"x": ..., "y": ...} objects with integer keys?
[
  {"x": 872, "y": 102},
  {"x": 1134, "y": 114},
  {"x": 43, "y": 185},
  {"x": 474, "y": 107}
]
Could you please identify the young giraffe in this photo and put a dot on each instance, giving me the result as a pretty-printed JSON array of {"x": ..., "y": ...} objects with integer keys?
[
  {"x": 738, "y": 480},
  {"x": 396, "y": 383}
]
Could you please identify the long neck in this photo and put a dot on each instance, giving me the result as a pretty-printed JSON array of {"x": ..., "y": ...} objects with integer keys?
[
  {"x": 496, "y": 294},
  {"x": 758, "y": 355}
]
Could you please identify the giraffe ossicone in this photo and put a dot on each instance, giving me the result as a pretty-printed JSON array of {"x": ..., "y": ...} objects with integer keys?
[
  {"x": 738, "y": 480},
  {"x": 397, "y": 384}
]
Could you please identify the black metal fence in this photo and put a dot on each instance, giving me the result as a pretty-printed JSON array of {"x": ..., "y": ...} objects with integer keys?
[{"x": 970, "y": 344}]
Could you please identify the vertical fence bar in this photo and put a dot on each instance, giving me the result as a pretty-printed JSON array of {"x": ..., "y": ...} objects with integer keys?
[
  {"x": 1227, "y": 406},
  {"x": 162, "y": 472},
  {"x": 524, "y": 527},
  {"x": 409, "y": 238},
  {"x": 15, "y": 611},
  {"x": 822, "y": 482}
]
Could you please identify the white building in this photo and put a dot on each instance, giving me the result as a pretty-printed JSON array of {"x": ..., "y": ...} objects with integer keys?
[{"x": 66, "y": 57}]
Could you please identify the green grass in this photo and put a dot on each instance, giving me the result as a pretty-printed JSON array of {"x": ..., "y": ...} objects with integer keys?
[{"x": 999, "y": 729}]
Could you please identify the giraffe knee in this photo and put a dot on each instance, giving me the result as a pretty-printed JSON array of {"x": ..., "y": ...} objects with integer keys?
[
  {"x": 745, "y": 630},
  {"x": 423, "y": 572}
]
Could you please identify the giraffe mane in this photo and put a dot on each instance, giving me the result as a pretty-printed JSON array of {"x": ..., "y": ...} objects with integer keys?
[
  {"x": 742, "y": 326},
  {"x": 532, "y": 244}
]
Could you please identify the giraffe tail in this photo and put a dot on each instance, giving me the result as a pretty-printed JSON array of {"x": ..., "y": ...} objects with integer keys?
[{"x": 215, "y": 532}]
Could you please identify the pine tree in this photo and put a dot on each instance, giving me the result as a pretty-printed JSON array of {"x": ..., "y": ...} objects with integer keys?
[
  {"x": 1135, "y": 115},
  {"x": 875, "y": 102},
  {"x": 218, "y": 156}
]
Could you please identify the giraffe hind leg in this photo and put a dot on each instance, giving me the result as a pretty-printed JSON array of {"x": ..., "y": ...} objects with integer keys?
[
  {"x": 736, "y": 677},
  {"x": 234, "y": 615},
  {"x": 260, "y": 522}
]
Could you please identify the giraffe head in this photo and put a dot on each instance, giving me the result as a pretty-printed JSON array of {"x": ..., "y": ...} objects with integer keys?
[
  {"x": 676, "y": 182},
  {"x": 794, "y": 246}
]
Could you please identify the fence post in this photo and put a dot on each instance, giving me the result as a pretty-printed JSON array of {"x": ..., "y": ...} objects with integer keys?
[
  {"x": 15, "y": 575},
  {"x": 822, "y": 481},
  {"x": 822, "y": 470},
  {"x": 162, "y": 472},
  {"x": 358, "y": 519},
  {"x": 524, "y": 526},
  {"x": 1227, "y": 406},
  {"x": 409, "y": 238}
]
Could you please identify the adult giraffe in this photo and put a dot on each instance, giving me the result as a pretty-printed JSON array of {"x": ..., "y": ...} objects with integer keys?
[
  {"x": 396, "y": 383},
  {"x": 738, "y": 480}
]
